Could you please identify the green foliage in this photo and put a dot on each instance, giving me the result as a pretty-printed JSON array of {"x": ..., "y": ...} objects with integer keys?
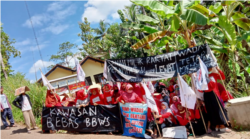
[
  {"x": 37, "y": 95},
  {"x": 7, "y": 51},
  {"x": 64, "y": 53}
]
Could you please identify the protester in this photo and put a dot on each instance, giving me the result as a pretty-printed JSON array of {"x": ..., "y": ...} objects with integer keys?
[
  {"x": 214, "y": 107},
  {"x": 116, "y": 94},
  {"x": 107, "y": 94},
  {"x": 23, "y": 102},
  {"x": 151, "y": 126},
  {"x": 137, "y": 89},
  {"x": 167, "y": 116},
  {"x": 96, "y": 97},
  {"x": 177, "y": 90},
  {"x": 130, "y": 96},
  {"x": 171, "y": 85},
  {"x": 6, "y": 111},
  {"x": 172, "y": 106},
  {"x": 52, "y": 99},
  {"x": 82, "y": 98}
]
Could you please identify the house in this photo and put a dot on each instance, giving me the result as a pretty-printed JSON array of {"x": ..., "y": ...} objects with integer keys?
[{"x": 63, "y": 77}]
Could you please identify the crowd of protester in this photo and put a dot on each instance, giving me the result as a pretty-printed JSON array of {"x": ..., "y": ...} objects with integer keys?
[{"x": 167, "y": 97}]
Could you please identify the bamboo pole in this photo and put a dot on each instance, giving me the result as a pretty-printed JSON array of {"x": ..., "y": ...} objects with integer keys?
[
  {"x": 3, "y": 67},
  {"x": 221, "y": 109},
  {"x": 156, "y": 124}
]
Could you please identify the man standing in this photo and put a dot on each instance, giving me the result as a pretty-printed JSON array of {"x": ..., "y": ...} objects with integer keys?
[
  {"x": 6, "y": 111},
  {"x": 23, "y": 102}
]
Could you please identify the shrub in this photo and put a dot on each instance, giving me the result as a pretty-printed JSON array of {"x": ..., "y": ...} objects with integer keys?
[{"x": 37, "y": 95}]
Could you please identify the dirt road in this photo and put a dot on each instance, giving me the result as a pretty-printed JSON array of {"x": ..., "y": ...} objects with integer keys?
[{"x": 20, "y": 132}]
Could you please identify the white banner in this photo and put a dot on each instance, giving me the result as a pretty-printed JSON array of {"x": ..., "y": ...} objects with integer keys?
[
  {"x": 202, "y": 75},
  {"x": 80, "y": 72},
  {"x": 150, "y": 100},
  {"x": 46, "y": 82},
  {"x": 188, "y": 97},
  {"x": 175, "y": 132}
]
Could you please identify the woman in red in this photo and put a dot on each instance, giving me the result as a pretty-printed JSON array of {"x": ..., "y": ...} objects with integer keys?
[
  {"x": 130, "y": 96},
  {"x": 52, "y": 99},
  {"x": 172, "y": 106},
  {"x": 96, "y": 97},
  {"x": 107, "y": 94},
  {"x": 82, "y": 98},
  {"x": 214, "y": 113},
  {"x": 116, "y": 94}
]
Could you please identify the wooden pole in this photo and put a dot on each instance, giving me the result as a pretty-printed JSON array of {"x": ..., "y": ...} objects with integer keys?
[
  {"x": 187, "y": 111},
  {"x": 49, "y": 86},
  {"x": 3, "y": 67},
  {"x": 221, "y": 109},
  {"x": 120, "y": 115},
  {"x": 156, "y": 124}
]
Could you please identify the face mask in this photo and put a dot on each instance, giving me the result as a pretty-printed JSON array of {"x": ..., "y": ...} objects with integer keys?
[
  {"x": 130, "y": 91},
  {"x": 161, "y": 99},
  {"x": 115, "y": 91},
  {"x": 209, "y": 72}
]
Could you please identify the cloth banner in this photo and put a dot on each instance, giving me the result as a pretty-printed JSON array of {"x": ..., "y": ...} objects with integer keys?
[
  {"x": 188, "y": 97},
  {"x": 79, "y": 71},
  {"x": 76, "y": 86},
  {"x": 158, "y": 67},
  {"x": 88, "y": 119},
  {"x": 202, "y": 77},
  {"x": 150, "y": 100},
  {"x": 134, "y": 117}
]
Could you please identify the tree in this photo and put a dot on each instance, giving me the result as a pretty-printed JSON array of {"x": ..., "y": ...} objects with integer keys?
[
  {"x": 64, "y": 53},
  {"x": 7, "y": 51}
]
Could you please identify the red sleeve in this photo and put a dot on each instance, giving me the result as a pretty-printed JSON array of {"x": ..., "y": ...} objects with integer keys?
[
  {"x": 120, "y": 98},
  {"x": 182, "y": 121},
  {"x": 217, "y": 76},
  {"x": 102, "y": 101},
  {"x": 58, "y": 98},
  {"x": 166, "y": 115},
  {"x": 138, "y": 99}
]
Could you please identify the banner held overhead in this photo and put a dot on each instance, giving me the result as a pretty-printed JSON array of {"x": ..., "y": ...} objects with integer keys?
[{"x": 160, "y": 66}]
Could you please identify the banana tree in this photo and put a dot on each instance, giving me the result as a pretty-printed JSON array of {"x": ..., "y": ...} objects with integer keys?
[{"x": 181, "y": 20}]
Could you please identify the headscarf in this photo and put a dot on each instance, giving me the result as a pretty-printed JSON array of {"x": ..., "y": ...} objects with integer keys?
[
  {"x": 122, "y": 86},
  {"x": 109, "y": 86},
  {"x": 115, "y": 86},
  {"x": 166, "y": 110},
  {"x": 92, "y": 90},
  {"x": 129, "y": 97},
  {"x": 180, "y": 112},
  {"x": 80, "y": 94},
  {"x": 177, "y": 99},
  {"x": 50, "y": 98}
]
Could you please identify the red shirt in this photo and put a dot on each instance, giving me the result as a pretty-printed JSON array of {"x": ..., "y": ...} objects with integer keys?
[{"x": 108, "y": 97}]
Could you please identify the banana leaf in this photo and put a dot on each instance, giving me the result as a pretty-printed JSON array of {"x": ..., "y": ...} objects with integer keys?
[
  {"x": 155, "y": 6},
  {"x": 147, "y": 19}
]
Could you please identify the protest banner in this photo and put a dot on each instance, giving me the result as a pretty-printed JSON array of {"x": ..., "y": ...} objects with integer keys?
[
  {"x": 76, "y": 86},
  {"x": 202, "y": 77},
  {"x": 158, "y": 67},
  {"x": 134, "y": 117},
  {"x": 79, "y": 71},
  {"x": 85, "y": 119}
]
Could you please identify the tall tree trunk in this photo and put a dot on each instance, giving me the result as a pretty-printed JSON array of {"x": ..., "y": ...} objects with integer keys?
[{"x": 3, "y": 67}]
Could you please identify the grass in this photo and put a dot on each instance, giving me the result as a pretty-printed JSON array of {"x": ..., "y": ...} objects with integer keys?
[{"x": 37, "y": 96}]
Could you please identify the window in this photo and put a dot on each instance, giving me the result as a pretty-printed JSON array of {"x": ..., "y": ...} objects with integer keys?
[
  {"x": 88, "y": 81},
  {"x": 71, "y": 80},
  {"x": 98, "y": 77}
]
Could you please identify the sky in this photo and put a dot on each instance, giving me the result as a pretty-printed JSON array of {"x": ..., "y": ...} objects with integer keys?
[{"x": 54, "y": 22}]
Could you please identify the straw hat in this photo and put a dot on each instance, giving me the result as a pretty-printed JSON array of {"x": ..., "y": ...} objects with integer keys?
[
  {"x": 21, "y": 90},
  {"x": 95, "y": 86}
]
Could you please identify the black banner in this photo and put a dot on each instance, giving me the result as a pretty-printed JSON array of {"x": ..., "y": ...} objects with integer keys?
[
  {"x": 160, "y": 66},
  {"x": 89, "y": 119}
]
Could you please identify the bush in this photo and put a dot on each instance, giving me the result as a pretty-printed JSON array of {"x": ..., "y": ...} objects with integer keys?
[{"x": 37, "y": 96}]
